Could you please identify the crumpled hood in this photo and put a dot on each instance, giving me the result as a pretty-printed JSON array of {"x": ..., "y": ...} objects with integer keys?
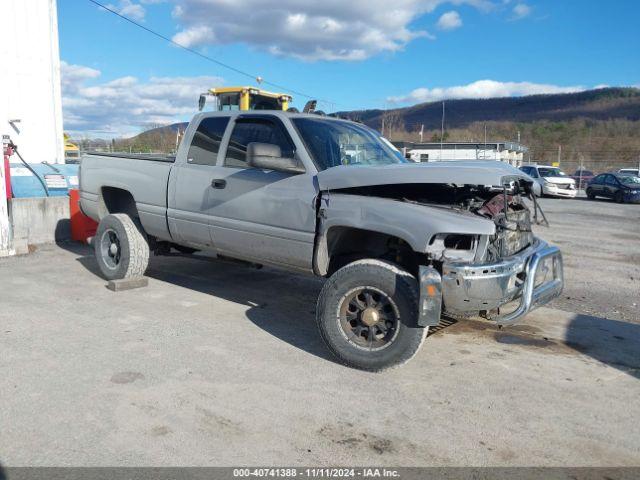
[{"x": 457, "y": 172}]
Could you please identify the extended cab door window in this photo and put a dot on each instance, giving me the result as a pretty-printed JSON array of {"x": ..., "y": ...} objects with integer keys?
[
  {"x": 206, "y": 141},
  {"x": 251, "y": 130}
]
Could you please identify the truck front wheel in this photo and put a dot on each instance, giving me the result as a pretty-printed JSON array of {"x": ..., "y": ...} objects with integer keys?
[
  {"x": 121, "y": 249},
  {"x": 367, "y": 315}
]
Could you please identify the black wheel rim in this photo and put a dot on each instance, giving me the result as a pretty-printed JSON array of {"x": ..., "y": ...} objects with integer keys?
[
  {"x": 110, "y": 249},
  {"x": 368, "y": 318}
]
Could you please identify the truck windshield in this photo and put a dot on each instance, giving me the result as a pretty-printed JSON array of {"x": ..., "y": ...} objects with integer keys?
[{"x": 332, "y": 142}]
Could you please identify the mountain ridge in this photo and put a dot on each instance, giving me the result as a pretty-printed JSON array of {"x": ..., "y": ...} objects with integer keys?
[{"x": 598, "y": 104}]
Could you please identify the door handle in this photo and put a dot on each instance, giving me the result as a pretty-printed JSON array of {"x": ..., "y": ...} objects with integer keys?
[{"x": 218, "y": 183}]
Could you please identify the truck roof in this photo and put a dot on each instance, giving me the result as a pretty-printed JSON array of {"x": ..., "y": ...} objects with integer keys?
[{"x": 277, "y": 113}]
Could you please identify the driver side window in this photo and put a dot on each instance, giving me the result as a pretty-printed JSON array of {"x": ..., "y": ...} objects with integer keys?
[{"x": 247, "y": 131}]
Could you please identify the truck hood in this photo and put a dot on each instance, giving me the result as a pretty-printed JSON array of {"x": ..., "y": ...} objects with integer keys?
[{"x": 456, "y": 172}]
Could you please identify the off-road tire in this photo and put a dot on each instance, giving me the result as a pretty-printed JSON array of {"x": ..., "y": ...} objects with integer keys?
[
  {"x": 399, "y": 286},
  {"x": 133, "y": 247}
]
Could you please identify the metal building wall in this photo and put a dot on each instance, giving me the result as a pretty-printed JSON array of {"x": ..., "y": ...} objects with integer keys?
[{"x": 30, "y": 79}]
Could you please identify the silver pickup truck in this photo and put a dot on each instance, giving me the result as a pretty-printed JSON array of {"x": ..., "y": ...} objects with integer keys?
[{"x": 400, "y": 244}]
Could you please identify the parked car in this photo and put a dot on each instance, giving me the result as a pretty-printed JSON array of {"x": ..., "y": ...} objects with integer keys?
[
  {"x": 554, "y": 182},
  {"x": 630, "y": 171},
  {"x": 582, "y": 178},
  {"x": 616, "y": 186},
  {"x": 285, "y": 189}
]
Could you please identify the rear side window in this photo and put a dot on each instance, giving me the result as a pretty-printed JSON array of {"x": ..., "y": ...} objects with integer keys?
[
  {"x": 206, "y": 141},
  {"x": 258, "y": 130}
]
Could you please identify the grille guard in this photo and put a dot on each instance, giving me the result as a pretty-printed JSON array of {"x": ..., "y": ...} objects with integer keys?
[{"x": 469, "y": 289}]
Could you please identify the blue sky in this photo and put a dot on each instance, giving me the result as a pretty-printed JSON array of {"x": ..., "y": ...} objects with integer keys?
[{"x": 118, "y": 79}]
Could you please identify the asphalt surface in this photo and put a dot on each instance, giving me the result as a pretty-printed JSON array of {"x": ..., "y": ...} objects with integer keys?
[{"x": 219, "y": 364}]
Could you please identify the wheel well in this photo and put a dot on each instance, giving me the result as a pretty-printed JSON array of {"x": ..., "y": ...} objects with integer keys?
[
  {"x": 117, "y": 200},
  {"x": 348, "y": 244}
]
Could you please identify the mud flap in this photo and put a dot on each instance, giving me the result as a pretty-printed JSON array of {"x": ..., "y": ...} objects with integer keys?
[{"x": 430, "y": 303}]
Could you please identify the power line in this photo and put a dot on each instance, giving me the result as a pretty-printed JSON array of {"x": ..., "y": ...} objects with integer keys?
[{"x": 203, "y": 56}]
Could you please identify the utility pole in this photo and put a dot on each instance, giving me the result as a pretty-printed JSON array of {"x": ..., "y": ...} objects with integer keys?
[
  {"x": 442, "y": 131},
  {"x": 421, "y": 132},
  {"x": 484, "y": 154},
  {"x": 559, "y": 154}
]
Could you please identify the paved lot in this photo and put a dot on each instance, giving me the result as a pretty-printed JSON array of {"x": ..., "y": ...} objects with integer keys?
[
  {"x": 600, "y": 241},
  {"x": 215, "y": 364}
]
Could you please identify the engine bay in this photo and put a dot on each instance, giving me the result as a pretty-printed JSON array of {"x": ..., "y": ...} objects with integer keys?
[{"x": 502, "y": 205}]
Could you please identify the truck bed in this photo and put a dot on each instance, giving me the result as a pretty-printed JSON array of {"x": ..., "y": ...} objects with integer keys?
[{"x": 144, "y": 176}]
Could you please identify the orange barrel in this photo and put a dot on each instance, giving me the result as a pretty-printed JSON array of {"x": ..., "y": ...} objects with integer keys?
[{"x": 82, "y": 227}]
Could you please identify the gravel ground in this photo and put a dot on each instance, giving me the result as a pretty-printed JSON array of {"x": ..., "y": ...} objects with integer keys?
[
  {"x": 600, "y": 242},
  {"x": 218, "y": 364}
]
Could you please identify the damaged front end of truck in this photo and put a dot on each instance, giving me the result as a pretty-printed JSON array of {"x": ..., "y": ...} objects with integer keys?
[{"x": 465, "y": 232}]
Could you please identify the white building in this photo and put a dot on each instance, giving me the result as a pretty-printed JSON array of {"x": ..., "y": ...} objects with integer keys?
[
  {"x": 510, "y": 152},
  {"x": 30, "y": 98}
]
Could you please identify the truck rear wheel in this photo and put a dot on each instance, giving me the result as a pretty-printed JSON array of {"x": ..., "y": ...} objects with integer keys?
[
  {"x": 121, "y": 249},
  {"x": 367, "y": 315}
]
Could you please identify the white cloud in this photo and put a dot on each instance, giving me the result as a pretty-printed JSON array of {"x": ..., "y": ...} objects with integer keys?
[
  {"x": 73, "y": 76},
  {"x": 128, "y": 8},
  {"x": 198, "y": 35},
  {"x": 126, "y": 105},
  {"x": 482, "y": 89},
  {"x": 310, "y": 30},
  {"x": 521, "y": 10},
  {"x": 450, "y": 21}
]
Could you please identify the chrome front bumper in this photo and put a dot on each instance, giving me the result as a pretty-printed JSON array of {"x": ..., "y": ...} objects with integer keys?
[{"x": 531, "y": 278}]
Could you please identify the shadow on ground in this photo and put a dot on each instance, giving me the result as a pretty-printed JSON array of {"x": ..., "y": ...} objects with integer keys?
[
  {"x": 612, "y": 342},
  {"x": 283, "y": 305},
  {"x": 267, "y": 292}
]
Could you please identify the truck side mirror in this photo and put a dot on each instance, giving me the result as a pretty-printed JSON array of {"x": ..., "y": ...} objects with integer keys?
[
  {"x": 201, "y": 101},
  {"x": 267, "y": 156}
]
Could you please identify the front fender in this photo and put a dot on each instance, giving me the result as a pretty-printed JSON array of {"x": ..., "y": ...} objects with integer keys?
[{"x": 414, "y": 223}]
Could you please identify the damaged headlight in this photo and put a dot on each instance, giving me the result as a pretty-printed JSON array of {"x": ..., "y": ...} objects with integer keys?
[{"x": 453, "y": 247}]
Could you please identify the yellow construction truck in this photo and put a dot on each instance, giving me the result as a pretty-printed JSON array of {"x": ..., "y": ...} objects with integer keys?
[
  {"x": 245, "y": 98},
  {"x": 71, "y": 151}
]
